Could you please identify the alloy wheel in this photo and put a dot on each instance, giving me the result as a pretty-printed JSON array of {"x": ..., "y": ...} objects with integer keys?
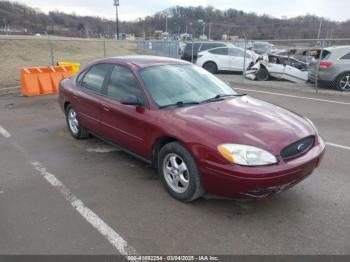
[
  {"x": 176, "y": 173},
  {"x": 73, "y": 121},
  {"x": 344, "y": 83}
]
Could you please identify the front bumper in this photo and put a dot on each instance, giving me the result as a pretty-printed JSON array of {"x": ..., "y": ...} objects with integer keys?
[{"x": 235, "y": 181}]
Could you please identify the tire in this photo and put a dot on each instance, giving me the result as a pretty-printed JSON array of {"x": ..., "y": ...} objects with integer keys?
[
  {"x": 343, "y": 82},
  {"x": 74, "y": 127},
  {"x": 211, "y": 67},
  {"x": 262, "y": 74},
  {"x": 183, "y": 182}
]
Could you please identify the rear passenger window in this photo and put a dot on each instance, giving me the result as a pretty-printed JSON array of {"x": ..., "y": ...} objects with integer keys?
[
  {"x": 219, "y": 51},
  {"x": 94, "y": 78},
  {"x": 123, "y": 83},
  {"x": 347, "y": 56},
  {"x": 236, "y": 52},
  {"x": 207, "y": 46}
]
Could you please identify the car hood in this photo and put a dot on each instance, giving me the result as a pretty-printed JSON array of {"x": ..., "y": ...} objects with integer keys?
[{"x": 245, "y": 120}]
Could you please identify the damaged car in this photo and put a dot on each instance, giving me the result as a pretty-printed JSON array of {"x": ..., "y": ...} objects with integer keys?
[{"x": 278, "y": 67}]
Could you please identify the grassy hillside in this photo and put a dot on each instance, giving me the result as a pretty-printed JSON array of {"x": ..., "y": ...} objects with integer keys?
[
  {"x": 36, "y": 52},
  {"x": 230, "y": 21}
]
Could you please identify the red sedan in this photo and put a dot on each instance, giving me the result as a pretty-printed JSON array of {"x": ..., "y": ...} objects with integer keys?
[{"x": 200, "y": 134}]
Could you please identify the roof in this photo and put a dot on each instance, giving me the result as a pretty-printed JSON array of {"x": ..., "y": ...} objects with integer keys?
[
  {"x": 338, "y": 51},
  {"x": 142, "y": 61}
]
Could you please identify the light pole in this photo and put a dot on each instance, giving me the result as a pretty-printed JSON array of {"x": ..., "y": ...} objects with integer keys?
[
  {"x": 116, "y": 4},
  {"x": 166, "y": 24},
  {"x": 202, "y": 22}
]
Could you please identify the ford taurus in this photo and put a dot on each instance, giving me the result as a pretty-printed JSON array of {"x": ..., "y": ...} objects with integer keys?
[{"x": 198, "y": 132}]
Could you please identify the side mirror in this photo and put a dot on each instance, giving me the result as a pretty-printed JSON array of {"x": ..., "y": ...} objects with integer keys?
[{"x": 131, "y": 100}]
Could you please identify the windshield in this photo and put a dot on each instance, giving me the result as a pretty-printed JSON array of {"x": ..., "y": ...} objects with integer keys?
[{"x": 171, "y": 84}]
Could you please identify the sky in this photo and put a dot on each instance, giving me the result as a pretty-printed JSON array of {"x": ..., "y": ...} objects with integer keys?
[{"x": 337, "y": 10}]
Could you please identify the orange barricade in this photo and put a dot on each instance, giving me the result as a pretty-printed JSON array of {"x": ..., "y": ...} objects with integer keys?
[{"x": 36, "y": 81}]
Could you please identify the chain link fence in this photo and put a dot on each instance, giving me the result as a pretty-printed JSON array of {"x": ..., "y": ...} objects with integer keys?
[{"x": 17, "y": 52}]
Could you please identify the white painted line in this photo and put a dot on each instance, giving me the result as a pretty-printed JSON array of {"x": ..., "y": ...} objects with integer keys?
[
  {"x": 112, "y": 236},
  {"x": 293, "y": 96},
  {"x": 4, "y": 132},
  {"x": 338, "y": 146}
]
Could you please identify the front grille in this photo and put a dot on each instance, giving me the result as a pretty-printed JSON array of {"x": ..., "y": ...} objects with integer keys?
[{"x": 298, "y": 147}]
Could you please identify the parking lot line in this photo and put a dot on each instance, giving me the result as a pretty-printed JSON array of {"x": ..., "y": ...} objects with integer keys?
[
  {"x": 4, "y": 132},
  {"x": 109, "y": 233},
  {"x": 338, "y": 146},
  {"x": 293, "y": 96}
]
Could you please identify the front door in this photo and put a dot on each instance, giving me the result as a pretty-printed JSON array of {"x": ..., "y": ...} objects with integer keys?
[{"x": 124, "y": 125}]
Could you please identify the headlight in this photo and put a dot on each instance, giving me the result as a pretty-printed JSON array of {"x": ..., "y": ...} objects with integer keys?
[
  {"x": 312, "y": 125},
  {"x": 246, "y": 155}
]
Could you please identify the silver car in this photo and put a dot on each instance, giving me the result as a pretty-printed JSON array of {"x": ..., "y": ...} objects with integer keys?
[{"x": 334, "y": 68}]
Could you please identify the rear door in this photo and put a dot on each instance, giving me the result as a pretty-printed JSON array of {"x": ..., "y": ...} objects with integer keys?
[
  {"x": 124, "y": 125},
  {"x": 344, "y": 63},
  {"x": 236, "y": 62},
  {"x": 220, "y": 57},
  {"x": 88, "y": 97}
]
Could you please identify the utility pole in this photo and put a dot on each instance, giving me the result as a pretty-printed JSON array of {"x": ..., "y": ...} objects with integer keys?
[
  {"x": 209, "y": 33},
  {"x": 116, "y": 4},
  {"x": 319, "y": 29},
  {"x": 166, "y": 24}
]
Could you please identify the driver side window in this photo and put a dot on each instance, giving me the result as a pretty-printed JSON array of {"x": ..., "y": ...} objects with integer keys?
[{"x": 122, "y": 83}]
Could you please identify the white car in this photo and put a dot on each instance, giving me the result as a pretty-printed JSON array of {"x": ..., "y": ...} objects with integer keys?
[{"x": 225, "y": 59}]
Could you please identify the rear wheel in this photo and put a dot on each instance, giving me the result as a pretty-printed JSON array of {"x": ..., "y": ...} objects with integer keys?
[
  {"x": 343, "y": 82},
  {"x": 179, "y": 173},
  {"x": 211, "y": 67},
  {"x": 75, "y": 128},
  {"x": 262, "y": 74}
]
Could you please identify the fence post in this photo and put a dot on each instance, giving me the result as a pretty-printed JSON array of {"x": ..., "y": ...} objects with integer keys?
[
  {"x": 318, "y": 65},
  {"x": 178, "y": 49},
  {"x": 104, "y": 48},
  {"x": 51, "y": 50},
  {"x": 192, "y": 50},
  {"x": 244, "y": 61}
]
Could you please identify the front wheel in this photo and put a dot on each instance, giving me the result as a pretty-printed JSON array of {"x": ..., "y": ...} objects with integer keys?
[
  {"x": 262, "y": 74},
  {"x": 75, "y": 128},
  {"x": 179, "y": 173},
  {"x": 343, "y": 82}
]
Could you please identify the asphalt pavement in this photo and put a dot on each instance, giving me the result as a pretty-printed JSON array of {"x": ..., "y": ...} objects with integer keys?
[{"x": 63, "y": 196}]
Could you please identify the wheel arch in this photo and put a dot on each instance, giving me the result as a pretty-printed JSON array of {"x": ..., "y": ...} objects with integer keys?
[
  {"x": 65, "y": 105},
  {"x": 340, "y": 74},
  {"x": 157, "y": 145},
  {"x": 161, "y": 142},
  {"x": 210, "y": 61}
]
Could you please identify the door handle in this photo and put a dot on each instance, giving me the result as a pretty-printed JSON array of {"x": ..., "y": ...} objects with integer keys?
[
  {"x": 106, "y": 109},
  {"x": 75, "y": 97}
]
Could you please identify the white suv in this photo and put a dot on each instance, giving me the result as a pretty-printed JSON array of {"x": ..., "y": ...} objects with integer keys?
[{"x": 225, "y": 59}]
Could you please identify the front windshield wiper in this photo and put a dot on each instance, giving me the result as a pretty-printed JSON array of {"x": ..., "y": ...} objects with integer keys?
[
  {"x": 181, "y": 104},
  {"x": 221, "y": 97}
]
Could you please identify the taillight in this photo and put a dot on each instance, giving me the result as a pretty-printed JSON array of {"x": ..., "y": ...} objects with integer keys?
[{"x": 325, "y": 64}]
